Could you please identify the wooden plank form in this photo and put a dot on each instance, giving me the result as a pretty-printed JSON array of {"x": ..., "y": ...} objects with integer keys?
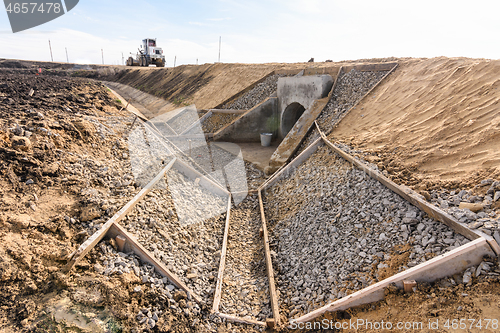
[
  {"x": 269, "y": 266},
  {"x": 132, "y": 245},
  {"x": 112, "y": 229},
  {"x": 415, "y": 199},
  {"x": 241, "y": 320},
  {"x": 160, "y": 136},
  {"x": 441, "y": 266},
  {"x": 288, "y": 169},
  {"x": 194, "y": 174},
  {"x": 222, "y": 263},
  {"x": 220, "y": 279},
  {"x": 98, "y": 235}
]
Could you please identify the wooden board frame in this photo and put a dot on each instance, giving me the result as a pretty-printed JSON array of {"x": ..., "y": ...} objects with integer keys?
[
  {"x": 194, "y": 174},
  {"x": 269, "y": 266},
  {"x": 222, "y": 263},
  {"x": 220, "y": 279},
  {"x": 160, "y": 136},
  {"x": 98, "y": 235},
  {"x": 415, "y": 199},
  {"x": 441, "y": 266},
  {"x": 455, "y": 261},
  {"x": 132, "y": 245},
  {"x": 304, "y": 155}
]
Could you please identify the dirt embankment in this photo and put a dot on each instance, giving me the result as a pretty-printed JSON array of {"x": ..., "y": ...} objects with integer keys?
[
  {"x": 206, "y": 86},
  {"x": 433, "y": 123},
  {"x": 63, "y": 170}
]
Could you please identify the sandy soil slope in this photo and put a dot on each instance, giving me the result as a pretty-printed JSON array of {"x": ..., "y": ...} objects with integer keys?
[{"x": 437, "y": 118}]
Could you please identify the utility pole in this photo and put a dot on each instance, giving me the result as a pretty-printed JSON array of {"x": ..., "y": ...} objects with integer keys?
[
  {"x": 67, "y": 58},
  {"x": 197, "y": 61},
  {"x": 50, "y": 48},
  {"x": 102, "y": 54},
  {"x": 220, "y": 40},
  {"x": 123, "y": 60},
  {"x": 175, "y": 60}
]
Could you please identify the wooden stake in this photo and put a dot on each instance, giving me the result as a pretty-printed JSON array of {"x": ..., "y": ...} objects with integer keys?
[
  {"x": 269, "y": 266},
  {"x": 126, "y": 106},
  {"x": 408, "y": 285},
  {"x": 120, "y": 242},
  {"x": 222, "y": 264}
]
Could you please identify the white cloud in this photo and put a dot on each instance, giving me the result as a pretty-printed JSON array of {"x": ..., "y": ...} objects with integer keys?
[
  {"x": 200, "y": 24},
  {"x": 220, "y": 19},
  {"x": 288, "y": 31}
]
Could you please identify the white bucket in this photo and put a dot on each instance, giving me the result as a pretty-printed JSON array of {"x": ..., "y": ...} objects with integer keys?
[{"x": 265, "y": 139}]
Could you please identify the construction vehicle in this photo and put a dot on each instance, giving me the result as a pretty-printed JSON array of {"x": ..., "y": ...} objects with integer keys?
[{"x": 148, "y": 54}]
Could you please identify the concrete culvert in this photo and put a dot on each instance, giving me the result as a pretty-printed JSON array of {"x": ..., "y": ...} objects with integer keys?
[{"x": 290, "y": 116}]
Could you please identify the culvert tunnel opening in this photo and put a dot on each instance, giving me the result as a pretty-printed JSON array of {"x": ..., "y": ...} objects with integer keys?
[{"x": 292, "y": 113}]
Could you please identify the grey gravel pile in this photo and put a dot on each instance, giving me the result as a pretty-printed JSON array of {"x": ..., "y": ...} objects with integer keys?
[
  {"x": 147, "y": 154},
  {"x": 118, "y": 263},
  {"x": 486, "y": 220},
  {"x": 94, "y": 173},
  {"x": 185, "y": 233},
  {"x": 246, "y": 286},
  {"x": 334, "y": 230},
  {"x": 258, "y": 94},
  {"x": 351, "y": 87}
]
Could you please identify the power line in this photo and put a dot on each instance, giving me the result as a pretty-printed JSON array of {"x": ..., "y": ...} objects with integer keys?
[
  {"x": 220, "y": 40},
  {"x": 50, "y": 48}
]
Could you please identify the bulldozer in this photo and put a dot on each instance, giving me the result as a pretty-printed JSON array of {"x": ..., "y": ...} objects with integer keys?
[{"x": 148, "y": 54}]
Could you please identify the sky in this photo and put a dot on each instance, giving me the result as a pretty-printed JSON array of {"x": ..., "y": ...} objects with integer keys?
[{"x": 261, "y": 31}]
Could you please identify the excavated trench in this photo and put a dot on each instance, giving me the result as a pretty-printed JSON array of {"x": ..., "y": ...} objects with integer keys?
[
  {"x": 192, "y": 249},
  {"x": 333, "y": 230}
]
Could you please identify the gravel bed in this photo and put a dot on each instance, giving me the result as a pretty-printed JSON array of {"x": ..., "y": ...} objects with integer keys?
[
  {"x": 351, "y": 87},
  {"x": 245, "y": 290},
  {"x": 486, "y": 219},
  {"x": 147, "y": 155},
  {"x": 118, "y": 263},
  {"x": 183, "y": 120},
  {"x": 258, "y": 94},
  {"x": 335, "y": 230},
  {"x": 182, "y": 226},
  {"x": 216, "y": 121},
  {"x": 223, "y": 166}
]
